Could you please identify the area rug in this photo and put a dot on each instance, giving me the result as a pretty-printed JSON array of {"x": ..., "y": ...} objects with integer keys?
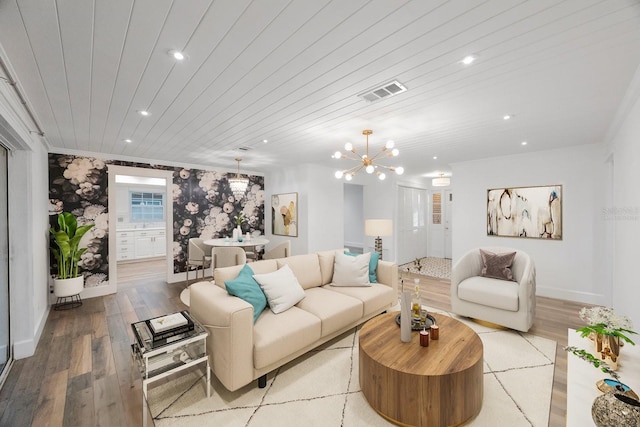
[
  {"x": 322, "y": 389},
  {"x": 429, "y": 266}
]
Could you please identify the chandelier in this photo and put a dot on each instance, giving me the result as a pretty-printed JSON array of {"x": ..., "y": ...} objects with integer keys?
[
  {"x": 441, "y": 181},
  {"x": 238, "y": 184},
  {"x": 366, "y": 162}
]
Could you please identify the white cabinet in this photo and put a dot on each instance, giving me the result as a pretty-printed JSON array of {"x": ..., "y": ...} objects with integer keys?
[
  {"x": 150, "y": 243},
  {"x": 136, "y": 244},
  {"x": 125, "y": 245}
]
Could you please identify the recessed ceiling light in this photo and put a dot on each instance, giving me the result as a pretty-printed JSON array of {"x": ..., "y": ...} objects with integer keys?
[
  {"x": 435, "y": 157},
  {"x": 469, "y": 59},
  {"x": 177, "y": 55},
  {"x": 265, "y": 140},
  {"x": 507, "y": 116},
  {"x": 128, "y": 141},
  {"x": 523, "y": 143},
  {"x": 144, "y": 113}
]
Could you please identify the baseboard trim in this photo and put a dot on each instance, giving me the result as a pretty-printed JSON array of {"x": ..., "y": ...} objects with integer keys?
[
  {"x": 572, "y": 295},
  {"x": 27, "y": 348}
]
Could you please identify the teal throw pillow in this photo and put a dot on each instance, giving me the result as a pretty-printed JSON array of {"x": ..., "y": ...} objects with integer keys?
[
  {"x": 373, "y": 264},
  {"x": 246, "y": 288}
]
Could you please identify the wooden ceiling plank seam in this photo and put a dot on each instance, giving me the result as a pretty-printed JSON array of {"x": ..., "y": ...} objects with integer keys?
[
  {"x": 359, "y": 34},
  {"x": 221, "y": 41},
  {"x": 141, "y": 76},
  {"x": 214, "y": 101},
  {"x": 55, "y": 114},
  {"x": 176, "y": 133},
  {"x": 117, "y": 74}
]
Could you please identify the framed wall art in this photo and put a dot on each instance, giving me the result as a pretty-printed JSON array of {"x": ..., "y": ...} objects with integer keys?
[
  {"x": 284, "y": 214},
  {"x": 532, "y": 212}
]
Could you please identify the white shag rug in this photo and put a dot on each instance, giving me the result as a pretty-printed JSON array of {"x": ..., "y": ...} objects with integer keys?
[
  {"x": 322, "y": 389},
  {"x": 429, "y": 266}
]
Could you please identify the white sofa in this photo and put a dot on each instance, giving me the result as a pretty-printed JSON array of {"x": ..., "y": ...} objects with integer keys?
[
  {"x": 507, "y": 303},
  {"x": 241, "y": 351}
]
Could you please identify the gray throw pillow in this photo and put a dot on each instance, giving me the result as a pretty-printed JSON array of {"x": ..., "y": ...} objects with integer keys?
[{"x": 497, "y": 266}]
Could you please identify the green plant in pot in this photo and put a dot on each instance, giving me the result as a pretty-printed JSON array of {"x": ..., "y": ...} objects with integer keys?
[{"x": 67, "y": 254}]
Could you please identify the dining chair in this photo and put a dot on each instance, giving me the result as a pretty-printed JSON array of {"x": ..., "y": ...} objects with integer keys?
[
  {"x": 199, "y": 256},
  {"x": 282, "y": 250},
  {"x": 227, "y": 256}
]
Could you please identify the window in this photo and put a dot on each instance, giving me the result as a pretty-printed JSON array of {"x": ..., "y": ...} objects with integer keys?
[
  {"x": 436, "y": 208},
  {"x": 146, "y": 207}
]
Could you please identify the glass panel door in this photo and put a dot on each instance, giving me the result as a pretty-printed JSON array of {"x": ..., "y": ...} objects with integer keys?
[{"x": 5, "y": 341}]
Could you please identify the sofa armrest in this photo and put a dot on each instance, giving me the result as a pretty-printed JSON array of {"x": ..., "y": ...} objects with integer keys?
[
  {"x": 387, "y": 274},
  {"x": 229, "y": 321}
]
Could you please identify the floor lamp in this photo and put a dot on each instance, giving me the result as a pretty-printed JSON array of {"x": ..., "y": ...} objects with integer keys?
[{"x": 377, "y": 228}]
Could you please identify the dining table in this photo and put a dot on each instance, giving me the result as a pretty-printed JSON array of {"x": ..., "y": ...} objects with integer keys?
[{"x": 227, "y": 241}]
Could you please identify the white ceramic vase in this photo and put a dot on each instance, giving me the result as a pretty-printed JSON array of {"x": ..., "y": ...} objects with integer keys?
[
  {"x": 405, "y": 316},
  {"x": 68, "y": 287}
]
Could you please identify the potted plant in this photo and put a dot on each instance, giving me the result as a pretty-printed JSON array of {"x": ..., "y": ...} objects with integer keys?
[{"x": 67, "y": 254}]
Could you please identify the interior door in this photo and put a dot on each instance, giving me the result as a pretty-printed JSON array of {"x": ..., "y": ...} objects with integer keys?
[
  {"x": 412, "y": 227},
  {"x": 5, "y": 336},
  {"x": 436, "y": 225}
]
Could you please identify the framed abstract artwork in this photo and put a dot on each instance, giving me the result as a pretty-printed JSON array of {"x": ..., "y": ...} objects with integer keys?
[
  {"x": 531, "y": 212},
  {"x": 284, "y": 214}
]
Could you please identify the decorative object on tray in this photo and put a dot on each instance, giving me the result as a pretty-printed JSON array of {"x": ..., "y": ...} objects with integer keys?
[
  {"x": 606, "y": 329},
  {"x": 418, "y": 324},
  {"x": 405, "y": 312},
  {"x": 609, "y": 385}
]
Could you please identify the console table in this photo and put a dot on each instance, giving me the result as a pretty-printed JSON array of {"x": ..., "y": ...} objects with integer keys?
[
  {"x": 582, "y": 378},
  {"x": 438, "y": 385}
]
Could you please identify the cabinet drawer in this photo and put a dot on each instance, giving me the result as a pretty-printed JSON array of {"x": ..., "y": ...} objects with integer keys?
[{"x": 124, "y": 234}]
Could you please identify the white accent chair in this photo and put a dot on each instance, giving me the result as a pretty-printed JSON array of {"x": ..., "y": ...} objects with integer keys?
[
  {"x": 282, "y": 250},
  {"x": 507, "y": 303},
  {"x": 199, "y": 256},
  {"x": 227, "y": 256}
]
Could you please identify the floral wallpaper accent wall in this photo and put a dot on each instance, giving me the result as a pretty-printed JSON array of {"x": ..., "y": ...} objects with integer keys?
[{"x": 203, "y": 206}]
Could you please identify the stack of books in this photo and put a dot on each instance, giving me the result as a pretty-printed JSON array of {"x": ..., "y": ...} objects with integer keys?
[{"x": 169, "y": 328}]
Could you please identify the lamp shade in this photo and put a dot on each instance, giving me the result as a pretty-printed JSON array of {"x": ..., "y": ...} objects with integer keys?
[{"x": 378, "y": 227}]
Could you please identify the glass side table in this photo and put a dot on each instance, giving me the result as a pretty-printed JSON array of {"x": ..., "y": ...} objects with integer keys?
[{"x": 156, "y": 361}]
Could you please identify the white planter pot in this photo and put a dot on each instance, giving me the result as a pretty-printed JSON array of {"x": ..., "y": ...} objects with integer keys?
[{"x": 68, "y": 287}]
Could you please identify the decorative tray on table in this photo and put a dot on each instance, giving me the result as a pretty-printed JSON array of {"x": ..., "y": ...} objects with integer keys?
[{"x": 417, "y": 324}]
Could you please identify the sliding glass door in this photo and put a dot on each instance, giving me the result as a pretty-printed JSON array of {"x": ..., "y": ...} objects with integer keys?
[{"x": 5, "y": 339}]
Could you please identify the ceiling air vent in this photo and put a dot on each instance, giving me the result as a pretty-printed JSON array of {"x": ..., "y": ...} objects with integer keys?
[{"x": 386, "y": 90}]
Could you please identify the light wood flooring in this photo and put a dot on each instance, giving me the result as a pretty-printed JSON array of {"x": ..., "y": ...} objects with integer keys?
[{"x": 80, "y": 374}]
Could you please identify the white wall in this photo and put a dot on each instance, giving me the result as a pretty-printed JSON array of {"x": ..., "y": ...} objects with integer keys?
[
  {"x": 572, "y": 268},
  {"x": 624, "y": 213},
  {"x": 28, "y": 225},
  {"x": 353, "y": 216},
  {"x": 320, "y": 207}
]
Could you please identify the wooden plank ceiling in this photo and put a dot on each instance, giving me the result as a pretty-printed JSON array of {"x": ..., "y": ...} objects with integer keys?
[{"x": 290, "y": 71}]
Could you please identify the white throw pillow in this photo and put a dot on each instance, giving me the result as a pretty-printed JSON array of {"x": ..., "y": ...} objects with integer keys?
[
  {"x": 281, "y": 289},
  {"x": 351, "y": 270}
]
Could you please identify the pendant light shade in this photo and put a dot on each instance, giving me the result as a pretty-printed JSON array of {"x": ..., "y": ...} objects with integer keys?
[{"x": 238, "y": 184}]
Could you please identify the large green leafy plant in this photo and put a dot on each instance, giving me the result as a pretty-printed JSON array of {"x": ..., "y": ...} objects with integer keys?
[{"x": 67, "y": 238}]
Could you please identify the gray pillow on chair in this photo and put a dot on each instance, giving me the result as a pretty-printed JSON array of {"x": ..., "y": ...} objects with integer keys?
[{"x": 497, "y": 266}]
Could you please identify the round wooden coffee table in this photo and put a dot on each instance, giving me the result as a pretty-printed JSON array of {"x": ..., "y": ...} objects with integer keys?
[{"x": 439, "y": 385}]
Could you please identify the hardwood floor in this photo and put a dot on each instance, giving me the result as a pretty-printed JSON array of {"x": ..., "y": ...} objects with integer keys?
[{"x": 81, "y": 374}]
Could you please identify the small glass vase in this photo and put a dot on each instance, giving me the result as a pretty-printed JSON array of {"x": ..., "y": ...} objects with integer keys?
[
  {"x": 608, "y": 347},
  {"x": 615, "y": 410}
]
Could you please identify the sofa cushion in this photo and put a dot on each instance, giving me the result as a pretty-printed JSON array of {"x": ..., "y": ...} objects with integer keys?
[
  {"x": 244, "y": 286},
  {"x": 497, "y": 266},
  {"x": 281, "y": 289},
  {"x": 221, "y": 275},
  {"x": 351, "y": 270},
  {"x": 373, "y": 264},
  {"x": 496, "y": 293},
  {"x": 305, "y": 267},
  {"x": 326, "y": 260},
  {"x": 276, "y": 336},
  {"x": 335, "y": 310},
  {"x": 375, "y": 298}
]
